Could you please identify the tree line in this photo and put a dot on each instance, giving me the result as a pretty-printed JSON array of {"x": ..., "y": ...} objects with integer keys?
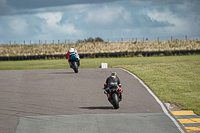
[{"x": 90, "y": 39}]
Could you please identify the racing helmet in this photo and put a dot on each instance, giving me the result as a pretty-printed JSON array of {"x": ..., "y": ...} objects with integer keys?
[
  {"x": 72, "y": 50},
  {"x": 114, "y": 74}
]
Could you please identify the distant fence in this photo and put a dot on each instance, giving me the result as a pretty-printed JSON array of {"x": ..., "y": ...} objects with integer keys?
[
  {"x": 97, "y": 55},
  {"x": 69, "y": 41}
]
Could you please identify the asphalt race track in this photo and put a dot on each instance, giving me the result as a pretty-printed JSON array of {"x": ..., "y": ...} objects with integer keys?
[{"x": 60, "y": 101}]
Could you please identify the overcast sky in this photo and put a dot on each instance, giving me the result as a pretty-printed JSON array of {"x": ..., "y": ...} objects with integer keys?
[{"x": 33, "y": 20}]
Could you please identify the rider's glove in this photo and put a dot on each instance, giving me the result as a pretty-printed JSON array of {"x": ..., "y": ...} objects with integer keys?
[
  {"x": 105, "y": 86},
  {"x": 106, "y": 90},
  {"x": 120, "y": 85}
]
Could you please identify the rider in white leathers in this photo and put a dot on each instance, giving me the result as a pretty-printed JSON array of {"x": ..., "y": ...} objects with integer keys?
[{"x": 70, "y": 52}]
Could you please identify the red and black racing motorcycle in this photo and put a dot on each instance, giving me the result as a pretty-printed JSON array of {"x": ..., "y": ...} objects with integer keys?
[{"x": 114, "y": 95}]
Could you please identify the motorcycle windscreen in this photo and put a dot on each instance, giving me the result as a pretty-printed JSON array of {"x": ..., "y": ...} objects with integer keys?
[
  {"x": 113, "y": 84},
  {"x": 73, "y": 57}
]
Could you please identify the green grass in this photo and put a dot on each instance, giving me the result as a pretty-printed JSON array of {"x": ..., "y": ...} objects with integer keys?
[
  {"x": 172, "y": 82},
  {"x": 91, "y": 62},
  {"x": 174, "y": 79},
  {"x": 34, "y": 64}
]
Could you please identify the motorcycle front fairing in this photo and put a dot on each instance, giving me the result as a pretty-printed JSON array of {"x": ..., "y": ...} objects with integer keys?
[
  {"x": 74, "y": 63},
  {"x": 114, "y": 88},
  {"x": 73, "y": 58}
]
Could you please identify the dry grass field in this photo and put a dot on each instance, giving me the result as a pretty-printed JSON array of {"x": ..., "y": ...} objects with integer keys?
[{"x": 98, "y": 47}]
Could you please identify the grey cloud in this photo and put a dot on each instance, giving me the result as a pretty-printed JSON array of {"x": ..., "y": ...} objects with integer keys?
[
  {"x": 166, "y": 2},
  {"x": 189, "y": 10},
  {"x": 25, "y": 4},
  {"x": 13, "y": 7},
  {"x": 145, "y": 21},
  {"x": 5, "y": 9},
  {"x": 147, "y": 3}
]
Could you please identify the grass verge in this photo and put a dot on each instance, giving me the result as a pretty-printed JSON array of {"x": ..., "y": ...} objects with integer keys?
[
  {"x": 174, "y": 79},
  {"x": 172, "y": 82}
]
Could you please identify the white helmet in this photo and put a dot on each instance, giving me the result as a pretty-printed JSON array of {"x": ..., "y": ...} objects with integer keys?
[{"x": 72, "y": 50}]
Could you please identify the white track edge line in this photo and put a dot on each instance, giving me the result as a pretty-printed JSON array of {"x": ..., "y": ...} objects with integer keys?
[{"x": 157, "y": 99}]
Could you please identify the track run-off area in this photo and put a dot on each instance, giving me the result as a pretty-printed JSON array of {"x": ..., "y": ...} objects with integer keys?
[{"x": 61, "y": 101}]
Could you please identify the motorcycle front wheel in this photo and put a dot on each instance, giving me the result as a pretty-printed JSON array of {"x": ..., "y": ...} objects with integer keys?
[
  {"x": 115, "y": 102},
  {"x": 75, "y": 66}
]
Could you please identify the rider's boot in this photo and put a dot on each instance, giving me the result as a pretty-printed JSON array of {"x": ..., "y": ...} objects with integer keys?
[
  {"x": 120, "y": 97},
  {"x": 108, "y": 95},
  {"x": 70, "y": 64},
  {"x": 78, "y": 62}
]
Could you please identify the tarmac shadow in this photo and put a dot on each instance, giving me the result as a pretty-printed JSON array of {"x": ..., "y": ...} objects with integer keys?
[
  {"x": 62, "y": 73},
  {"x": 97, "y": 107}
]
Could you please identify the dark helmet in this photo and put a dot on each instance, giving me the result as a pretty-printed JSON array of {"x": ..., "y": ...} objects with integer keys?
[{"x": 114, "y": 74}]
